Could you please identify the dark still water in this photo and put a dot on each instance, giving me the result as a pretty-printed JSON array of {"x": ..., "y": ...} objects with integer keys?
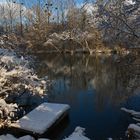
[{"x": 95, "y": 87}]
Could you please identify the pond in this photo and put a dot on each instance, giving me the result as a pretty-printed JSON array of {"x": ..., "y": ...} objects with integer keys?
[{"x": 95, "y": 87}]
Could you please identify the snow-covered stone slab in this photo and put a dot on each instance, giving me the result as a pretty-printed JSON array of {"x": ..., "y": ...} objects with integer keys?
[
  {"x": 41, "y": 118},
  {"x": 78, "y": 134}
]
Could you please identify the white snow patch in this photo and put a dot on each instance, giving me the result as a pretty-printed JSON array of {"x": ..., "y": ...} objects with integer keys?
[
  {"x": 134, "y": 127},
  {"x": 41, "y": 118},
  {"x": 10, "y": 137},
  {"x": 129, "y": 2},
  {"x": 43, "y": 139},
  {"x": 128, "y": 110},
  {"x": 78, "y": 134},
  {"x": 110, "y": 139},
  {"x": 90, "y": 8}
]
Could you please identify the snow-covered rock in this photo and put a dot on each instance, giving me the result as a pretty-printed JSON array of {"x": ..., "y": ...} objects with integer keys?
[{"x": 78, "y": 134}]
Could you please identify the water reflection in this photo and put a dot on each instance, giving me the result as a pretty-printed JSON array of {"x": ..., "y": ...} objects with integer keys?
[{"x": 95, "y": 87}]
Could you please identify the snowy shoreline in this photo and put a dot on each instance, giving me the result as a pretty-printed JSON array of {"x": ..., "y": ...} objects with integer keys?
[
  {"x": 17, "y": 82},
  {"x": 78, "y": 134}
]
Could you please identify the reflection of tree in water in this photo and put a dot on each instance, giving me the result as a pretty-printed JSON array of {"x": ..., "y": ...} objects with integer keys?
[
  {"x": 113, "y": 81},
  {"x": 129, "y": 73}
]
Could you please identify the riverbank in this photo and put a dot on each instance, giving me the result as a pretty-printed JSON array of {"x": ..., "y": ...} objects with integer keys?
[
  {"x": 66, "y": 42},
  {"x": 87, "y": 42}
]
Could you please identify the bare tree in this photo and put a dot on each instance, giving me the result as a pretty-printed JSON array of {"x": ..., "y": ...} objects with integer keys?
[{"x": 117, "y": 20}]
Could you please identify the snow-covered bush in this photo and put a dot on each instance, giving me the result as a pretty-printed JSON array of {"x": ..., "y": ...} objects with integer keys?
[
  {"x": 75, "y": 40},
  {"x": 17, "y": 79}
]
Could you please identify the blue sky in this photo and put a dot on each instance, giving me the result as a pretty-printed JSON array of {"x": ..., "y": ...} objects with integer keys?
[
  {"x": 28, "y": 3},
  {"x": 78, "y": 1}
]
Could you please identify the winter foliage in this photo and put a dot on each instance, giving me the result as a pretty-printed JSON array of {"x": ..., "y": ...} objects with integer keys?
[{"x": 16, "y": 79}]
